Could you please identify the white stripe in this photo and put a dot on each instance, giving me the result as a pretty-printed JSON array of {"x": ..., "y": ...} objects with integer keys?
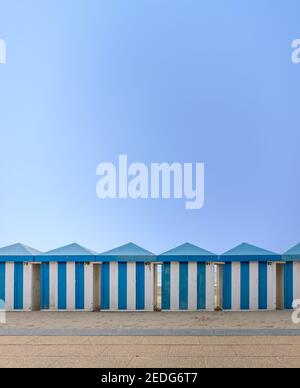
[
  {"x": 113, "y": 282},
  {"x": 131, "y": 286},
  {"x": 296, "y": 280},
  {"x": 71, "y": 286},
  {"x": 27, "y": 287},
  {"x": 192, "y": 286},
  {"x": 253, "y": 286},
  {"x": 9, "y": 286},
  {"x": 149, "y": 287},
  {"x": 53, "y": 273},
  {"x": 210, "y": 287},
  {"x": 88, "y": 287},
  {"x": 236, "y": 286},
  {"x": 272, "y": 286},
  {"x": 174, "y": 286}
]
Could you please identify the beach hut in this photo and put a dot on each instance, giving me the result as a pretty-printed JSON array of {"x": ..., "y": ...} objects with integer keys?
[
  {"x": 249, "y": 280},
  {"x": 127, "y": 279},
  {"x": 17, "y": 275},
  {"x": 188, "y": 278},
  {"x": 69, "y": 279},
  {"x": 291, "y": 276}
]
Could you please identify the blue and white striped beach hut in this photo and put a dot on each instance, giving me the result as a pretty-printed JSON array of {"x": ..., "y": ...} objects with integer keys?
[
  {"x": 127, "y": 279},
  {"x": 291, "y": 276},
  {"x": 249, "y": 278},
  {"x": 188, "y": 278},
  {"x": 67, "y": 279},
  {"x": 16, "y": 273}
]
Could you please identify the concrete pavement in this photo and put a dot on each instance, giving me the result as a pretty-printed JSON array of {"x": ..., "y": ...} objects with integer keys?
[
  {"x": 148, "y": 332},
  {"x": 150, "y": 352}
]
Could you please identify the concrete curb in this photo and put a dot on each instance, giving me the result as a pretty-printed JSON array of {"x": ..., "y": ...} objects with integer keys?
[{"x": 151, "y": 332}]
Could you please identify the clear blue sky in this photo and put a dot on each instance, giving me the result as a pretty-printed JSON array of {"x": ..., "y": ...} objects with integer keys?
[{"x": 160, "y": 80}]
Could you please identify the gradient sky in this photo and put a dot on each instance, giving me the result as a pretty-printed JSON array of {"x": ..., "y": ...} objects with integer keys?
[{"x": 162, "y": 81}]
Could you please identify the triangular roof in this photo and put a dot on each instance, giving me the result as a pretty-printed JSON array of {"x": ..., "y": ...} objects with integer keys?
[
  {"x": 18, "y": 250},
  {"x": 130, "y": 249},
  {"x": 188, "y": 249},
  {"x": 71, "y": 250},
  {"x": 245, "y": 250},
  {"x": 293, "y": 253},
  {"x": 127, "y": 252},
  {"x": 187, "y": 252}
]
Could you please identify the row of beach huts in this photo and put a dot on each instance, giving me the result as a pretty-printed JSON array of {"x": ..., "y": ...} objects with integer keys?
[{"x": 130, "y": 278}]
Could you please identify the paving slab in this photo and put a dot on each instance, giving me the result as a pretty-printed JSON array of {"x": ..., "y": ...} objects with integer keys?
[
  {"x": 27, "y": 362},
  {"x": 201, "y": 350},
  {"x": 170, "y": 340},
  {"x": 167, "y": 362},
  {"x": 243, "y": 362},
  {"x": 115, "y": 340},
  {"x": 44, "y": 340},
  {"x": 15, "y": 340},
  {"x": 21, "y": 350},
  {"x": 229, "y": 340},
  {"x": 92, "y": 362},
  {"x": 73, "y": 350},
  {"x": 290, "y": 362},
  {"x": 137, "y": 350},
  {"x": 267, "y": 350}
]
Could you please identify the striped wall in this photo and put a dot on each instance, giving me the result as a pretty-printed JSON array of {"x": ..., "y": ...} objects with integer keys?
[
  {"x": 249, "y": 286},
  {"x": 67, "y": 286},
  {"x": 127, "y": 286},
  {"x": 16, "y": 286},
  {"x": 187, "y": 286},
  {"x": 130, "y": 286},
  {"x": 291, "y": 283}
]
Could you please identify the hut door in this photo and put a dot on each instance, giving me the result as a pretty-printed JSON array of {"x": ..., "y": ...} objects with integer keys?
[{"x": 279, "y": 286}]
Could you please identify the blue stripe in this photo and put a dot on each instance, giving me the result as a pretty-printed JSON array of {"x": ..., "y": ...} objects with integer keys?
[
  {"x": 201, "y": 286},
  {"x": 122, "y": 286},
  {"x": 62, "y": 286},
  {"x": 288, "y": 285},
  {"x": 227, "y": 287},
  {"x": 140, "y": 286},
  {"x": 245, "y": 286},
  {"x": 18, "y": 286},
  {"x": 45, "y": 287},
  {"x": 183, "y": 286},
  {"x": 2, "y": 282},
  {"x": 263, "y": 286},
  {"x": 79, "y": 297},
  {"x": 105, "y": 286},
  {"x": 166, "y": 286}
]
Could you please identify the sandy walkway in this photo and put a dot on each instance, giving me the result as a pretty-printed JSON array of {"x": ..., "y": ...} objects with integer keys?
[{"x": 169, "y": 320}]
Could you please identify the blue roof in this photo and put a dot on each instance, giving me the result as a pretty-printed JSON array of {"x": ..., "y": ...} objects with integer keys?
[
  {"x": 248, "y": 251},
  {"x": 293, "y": 253},
  {"x": 18, "y": 251},
  {"x": 128, "y": 252},
  {"x": 187, "y": 252},
  {"x": 71, "y": 250}
]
